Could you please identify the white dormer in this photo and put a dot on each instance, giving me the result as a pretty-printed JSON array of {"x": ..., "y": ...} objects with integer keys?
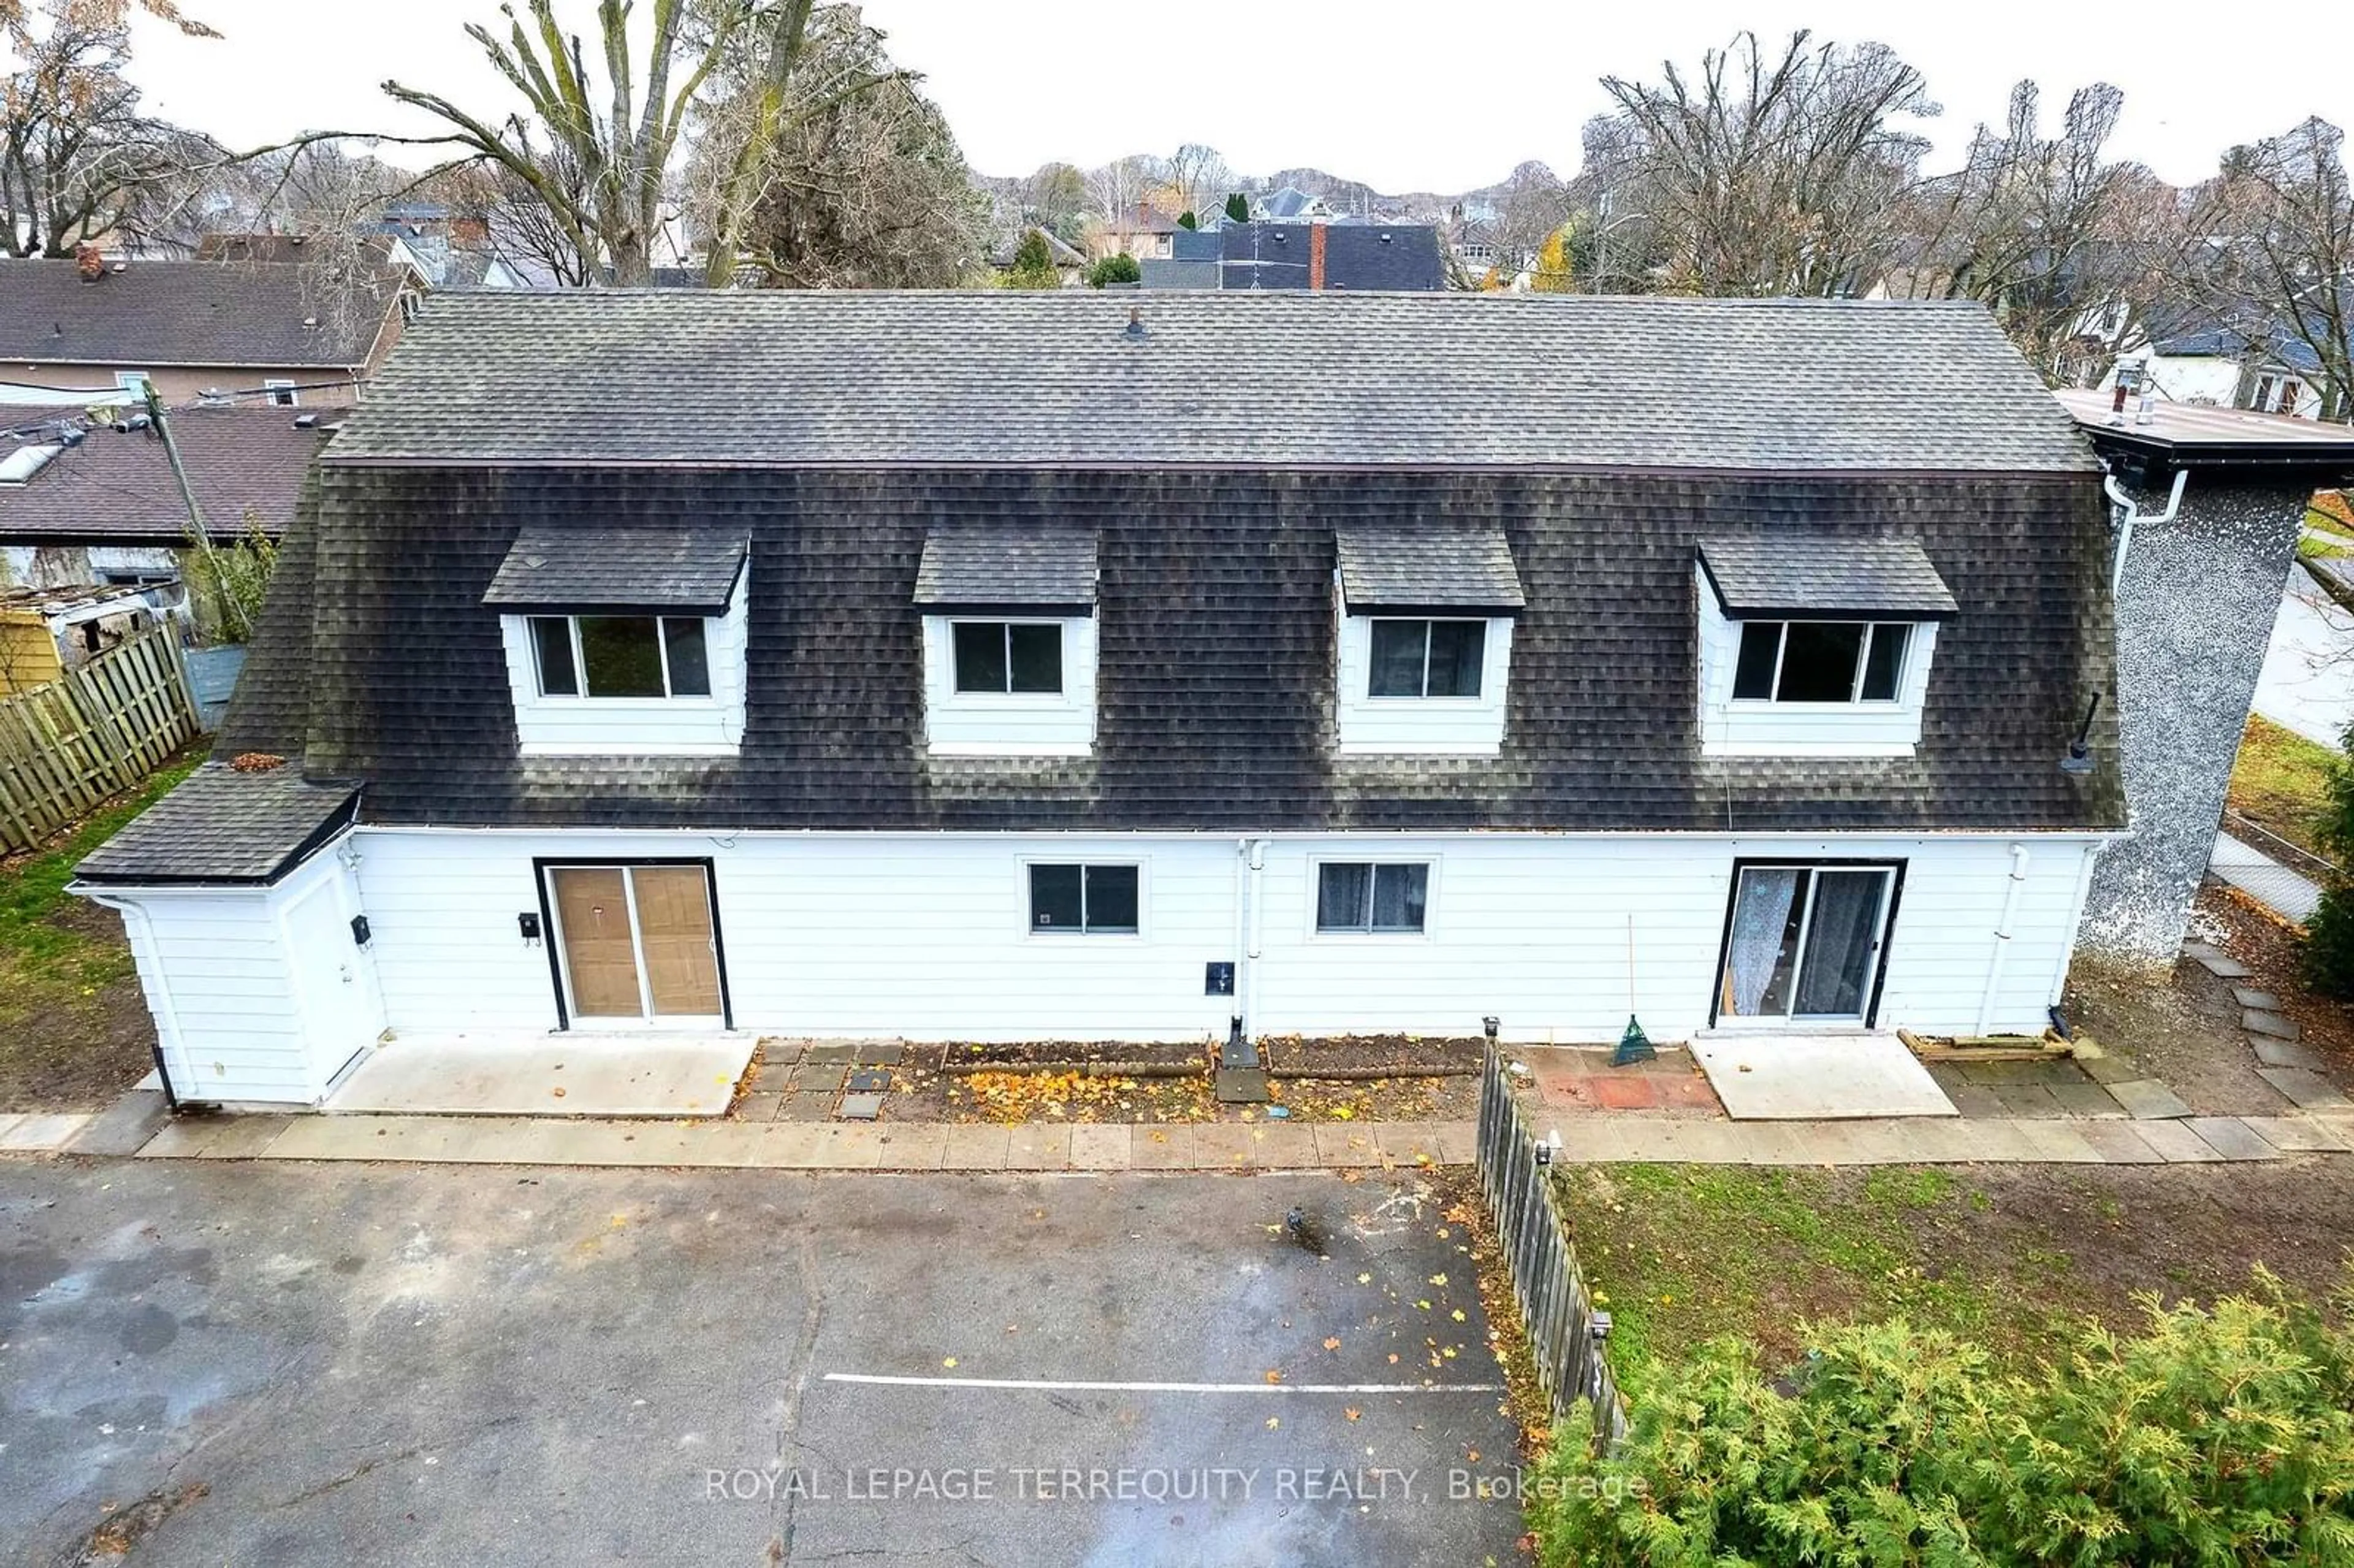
[
  {"x": 1009, "y": 616},
  {"x": 1816, "y": 647},
  {"x": 625, "y": 642},
  {"x": 1424, "y": 628}
]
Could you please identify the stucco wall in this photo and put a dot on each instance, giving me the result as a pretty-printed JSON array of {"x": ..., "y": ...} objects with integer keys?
[{"x": 2194, "y": 614}]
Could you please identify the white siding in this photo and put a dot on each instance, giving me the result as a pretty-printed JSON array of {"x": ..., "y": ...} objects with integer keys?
[
  {"x": 1371, "y": 725},
  {"x": 1010, "y": 723},
  {"x": 927, "y": 935},
  {"x": 218, "y": 967},
  {"x": 1730, "y": 728},
  {"x": 641, "y": 727}
]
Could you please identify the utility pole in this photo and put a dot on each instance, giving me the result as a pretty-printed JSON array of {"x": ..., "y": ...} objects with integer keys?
[{"x": 196, "y": 529}]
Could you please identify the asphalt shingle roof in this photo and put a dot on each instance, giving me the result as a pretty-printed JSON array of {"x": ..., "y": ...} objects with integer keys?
[
  {"x": 188, "y": 314},
  {"x": 784, "y": 378},
  {"x": 220, "y": 825},
  {"x": 1796, "y": 574},
  {"x": 976, "y": 567},
  {"x": 116, "y": 487},
  {"x": 1431, "y": 568},
  {"x": 588, "y": 568}
]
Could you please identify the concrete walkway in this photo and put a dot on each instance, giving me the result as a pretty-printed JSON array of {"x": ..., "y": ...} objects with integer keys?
[
  {"x": 1233, "y": 1146},
  {"x": 2286, "y": 893}
]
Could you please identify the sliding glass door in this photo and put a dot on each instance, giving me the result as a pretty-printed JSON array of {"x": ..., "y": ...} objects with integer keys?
[{"x": 1804, "y": 942}]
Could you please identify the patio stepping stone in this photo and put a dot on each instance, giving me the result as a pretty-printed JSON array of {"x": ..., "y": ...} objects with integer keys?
[
  {"x": 2263, "y": 1000},
  {"x": 2120, "y": 1142},
  {"x": 1976, "y": 1100},
  {"x": 2086, "y": 1100},
  {"x": 2032, "y": 1101},
  {"x": 2231, "y": 1137},
  {"x": 861, "y": 1107},
  {"x": 831, "y": 1053},
  {"x": 869, "y": 1080},
  {"x": 2285, "y": 1054},
  {"x": 807, "y": 1104},
  {"x": 2216, "y": 961},
  {"x": 2272, "y": 1023},
  {"x": 2177, "y": 1144},
  {"x": 2148, "y": 1099},
  {"x": 760, "y": 1106},
  {"x": 2299, "y": 1134},
  {"x": 2111, "y": 1067},
  {"x": 2304, "y": 1088},
  {"x": 882, "y": 1053}
]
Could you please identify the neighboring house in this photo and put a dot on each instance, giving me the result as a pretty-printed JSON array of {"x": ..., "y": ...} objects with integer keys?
[
  {"x": 1146, "y": 233},
  {"x": 45, "y": 632},
  {"x": 2223, "y": 367},
  {"x": 1014, "y": 666},
  {"x": 295, "y": 336},
  {"x": 92, "y": 503},
  {"x": 1193, "y": 262},
  {"x": 1398, "y": 257},
  {"x": 1288, "y": 204},
  {"x": 1070, "y": 262}
]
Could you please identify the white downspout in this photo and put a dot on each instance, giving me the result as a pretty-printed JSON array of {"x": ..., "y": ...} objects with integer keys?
[
  {"x": 2003, "y": 936},
  {"x": 1257, "y": 930},
  {"x": 168, "y": 1043},
  {"x": 2075, "y": 921},
  {"x": 1244, "y": 894},
  {"x": 2130, "y": 513}
]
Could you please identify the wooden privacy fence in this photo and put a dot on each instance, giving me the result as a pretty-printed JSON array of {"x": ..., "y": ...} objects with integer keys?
[
  {"x": 102, "y": 728},
  {"x": 1552, "y": 1293}
]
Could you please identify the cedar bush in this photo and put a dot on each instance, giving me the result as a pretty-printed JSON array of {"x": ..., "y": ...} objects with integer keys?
[
  {"x": 1116, "y": 267},
  {"x": 2210, "y": 1438},
  {"x": 2328, "y": 958}
]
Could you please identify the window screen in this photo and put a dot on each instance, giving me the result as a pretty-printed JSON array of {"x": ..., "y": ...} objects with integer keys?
[{"x": 1353, "y": 895}]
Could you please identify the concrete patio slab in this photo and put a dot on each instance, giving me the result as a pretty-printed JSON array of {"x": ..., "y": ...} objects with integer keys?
[
  {"x": 2216, "y": 961},
  {"x": 1038, "y": 1146},
  {"x": 124, "y": 1127},
  {"x": 2059, "y": 1142},
  {"x": 2087, "y": 1099},
  {"x": 2299, "y": 1134},
  {"x": 2285, "y": 1054},
  {"x": 2177, "y": 1144},
  {"x": 2120, "y": 1142},
  {"x": 1818, "y": 1078},
  {"x": 1167, "y": 1147},
  {"x": 1407, "y": 1142},
  {"x": 2262, "y": 999},
  {"x": 575, "y": 1074},
  {"x": 1225, "y": 1145},
  {"x": 2257, "y": 1021},
  {"x": 43, "y": 1132},
  {"x": 1341, "y": 1146},
  {"x": 2231, "y": 1137},
  {"x": 1284, "y": 1146},
  {"x": 913, "y": 1146},
  {"x": 1096, "y": 1147},
  {"x": 1694, "y": 1143},
  {"x": 2304, "y": 1088},
  {"x": 2146, "y": 1099}
]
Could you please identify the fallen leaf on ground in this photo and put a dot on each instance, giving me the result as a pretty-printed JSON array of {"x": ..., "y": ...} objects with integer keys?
[{"x": 1333, "y": 1344}]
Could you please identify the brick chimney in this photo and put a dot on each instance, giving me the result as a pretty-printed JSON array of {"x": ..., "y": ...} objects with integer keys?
[
  {"x": 90, "y": 262},
  {"x": 1315, "y": 255}
]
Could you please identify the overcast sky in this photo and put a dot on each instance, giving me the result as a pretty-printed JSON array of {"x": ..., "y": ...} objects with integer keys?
[{"x": 1404, "y": 96}]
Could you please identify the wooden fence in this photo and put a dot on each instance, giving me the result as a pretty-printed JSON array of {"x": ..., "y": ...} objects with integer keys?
[
  {"x": 1553, "y": 1304},
  {"x": 95, "y": 732}
]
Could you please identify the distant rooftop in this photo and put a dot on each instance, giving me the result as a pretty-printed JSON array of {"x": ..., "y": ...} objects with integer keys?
[
  {"x": 155, "y": 314},
  {"x": 116, "y": 487}
]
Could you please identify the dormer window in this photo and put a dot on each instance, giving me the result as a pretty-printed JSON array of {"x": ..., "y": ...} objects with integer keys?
[
  {"x": 1816, "y": 646},
  {"x": 1424, "y": 624},
  {"x": 625, "y": 642},
  {"x": 1009, "y": 616}
]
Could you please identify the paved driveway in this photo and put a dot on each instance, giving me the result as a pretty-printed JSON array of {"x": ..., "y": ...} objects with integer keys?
[{"x": 253, "y": 1363}]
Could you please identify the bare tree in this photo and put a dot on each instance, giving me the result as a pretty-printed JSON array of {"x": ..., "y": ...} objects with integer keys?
[
  {"x": 2272, "y": 251},
  {"x": 867, "y": 191},
  {"x": 78, "y": 158},
  {"x": 1115, "y": 189},
  {"x": 2063, "y": 242},
  {"x": 601, "y": 174},
  {"x": 1783, "y": 176},
  {"x": 1197, "y": 177},
  {"x": 1055, "y": 198}
]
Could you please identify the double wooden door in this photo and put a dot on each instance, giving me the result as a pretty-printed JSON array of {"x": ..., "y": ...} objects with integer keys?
[{"x": 637, "y": 942}]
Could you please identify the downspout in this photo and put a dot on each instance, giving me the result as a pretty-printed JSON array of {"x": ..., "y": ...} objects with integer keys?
[
  {"x": 170, "y": 1021},
  {"x": 2075, "y": 921},
  {"x": 2130, "y": 513},
  {"x": 1244, "y": 895},
  {"x": 1257, "y": 930},
  {"x": 2003, "y": 936}
]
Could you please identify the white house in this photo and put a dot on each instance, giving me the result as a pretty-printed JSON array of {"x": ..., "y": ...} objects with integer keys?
[{"x": 1005, "y": 666}]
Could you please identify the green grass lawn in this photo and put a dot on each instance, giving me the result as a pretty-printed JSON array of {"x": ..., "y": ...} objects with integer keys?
[
  {"x": 2281, "y": 780},
  {"x": 63, "y": 964}
]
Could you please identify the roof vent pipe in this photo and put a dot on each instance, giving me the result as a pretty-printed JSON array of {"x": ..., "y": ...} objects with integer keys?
[
  {"x": 2130, "y": 513},
  {"x": 1136, "y": 324}
]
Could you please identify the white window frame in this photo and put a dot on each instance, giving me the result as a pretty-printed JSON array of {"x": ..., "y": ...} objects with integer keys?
[
  {"x": 1370, "y": 726},
  {"x": 580, "y": 662},
  {"x": 1476, "y": 700},
  {"x": 1373, "y": 856},
  {"x": 293, "y": 396},
  {"x": 1055, "y": 698},
  {"x": 1141, "y": 864},
  {"x": 648, "y": 1020},
  {"x": 133, "y": 381},
  {"x": 1764, "y": 727},
  {"x": 1010, "y": 723},
  {"x": 1855, "y": 697}
]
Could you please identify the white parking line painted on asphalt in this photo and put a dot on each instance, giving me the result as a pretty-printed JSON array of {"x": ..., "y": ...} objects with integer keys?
[{"x": 1058, "y": 1385}]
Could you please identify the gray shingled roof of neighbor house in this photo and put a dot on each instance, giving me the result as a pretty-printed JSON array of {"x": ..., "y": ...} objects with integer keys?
[
  {"x": 693, "y": 567},
  {"x": 1798, "y": 577},
  {"x": 246, "y": 466},
  {"x": 220, "y": 825},
  {"x": 1432, "y": 566},
  {"x": 777, "y": 378},
  {"x": 172, "y": 314}
]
